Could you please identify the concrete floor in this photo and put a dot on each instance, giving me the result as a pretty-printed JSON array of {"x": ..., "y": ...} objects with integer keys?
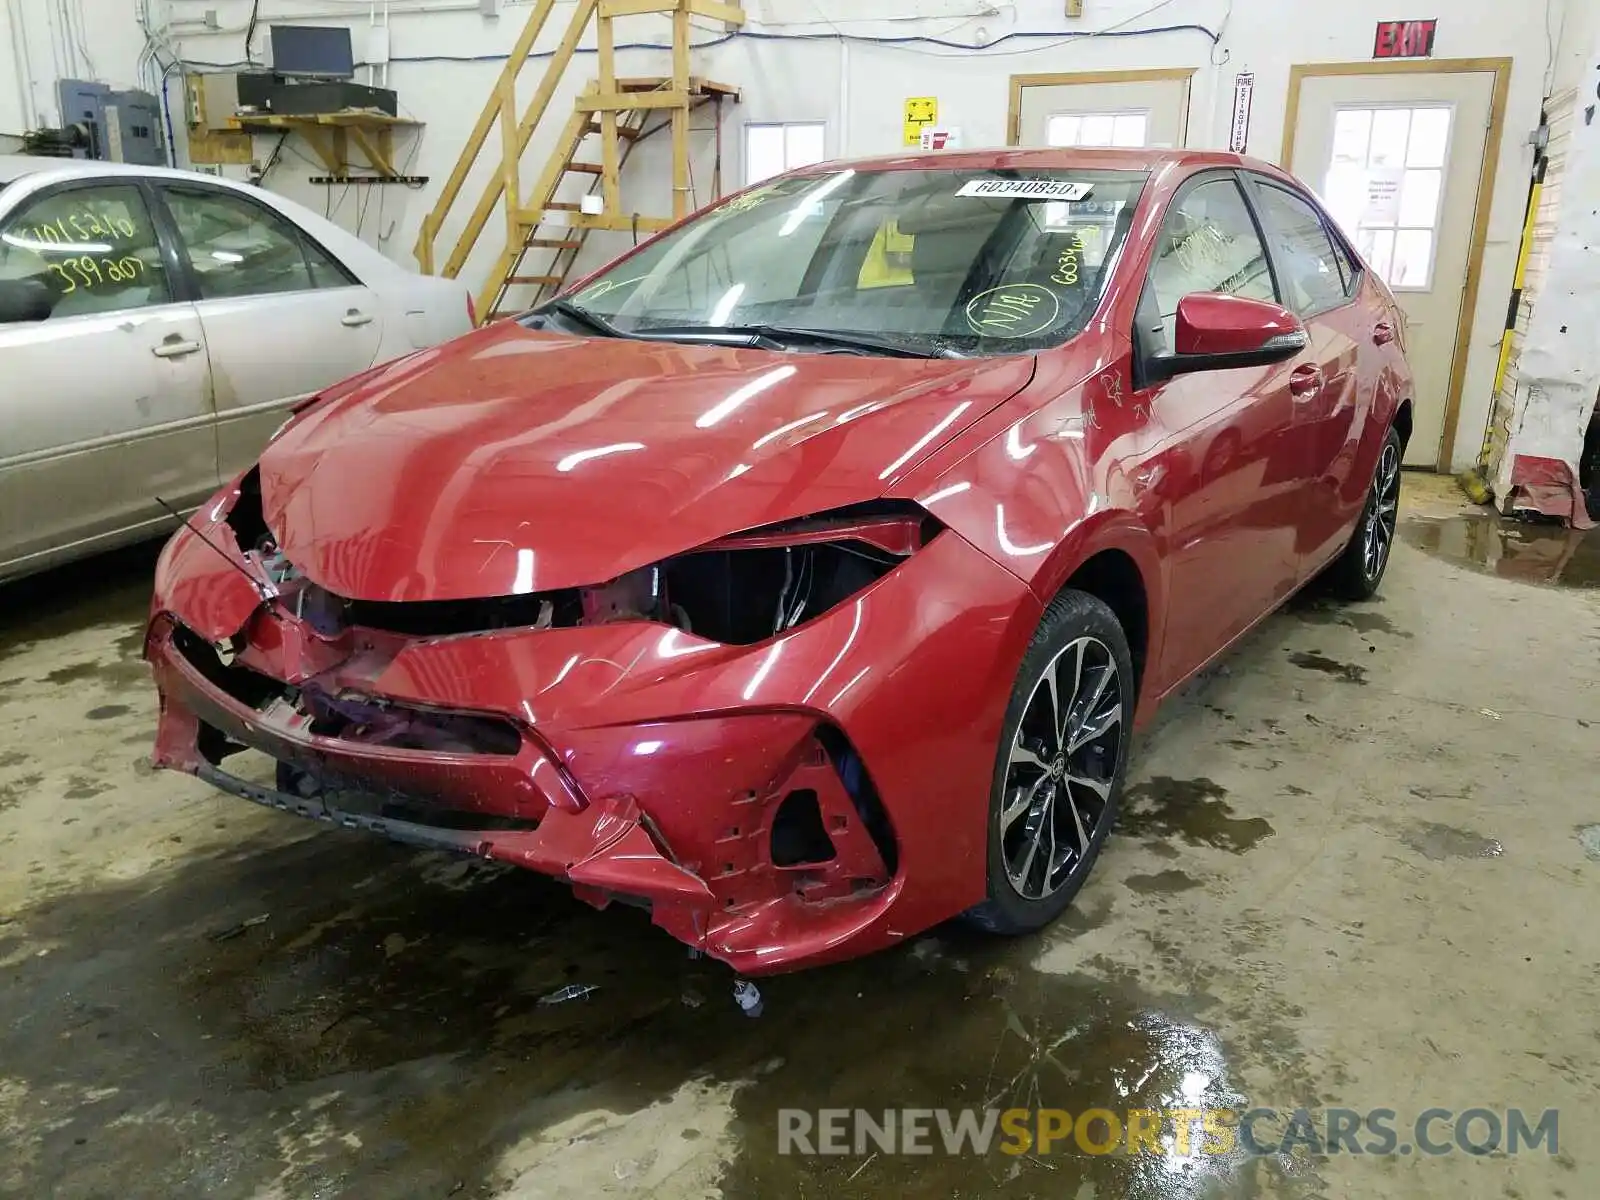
[{"x": 1352, "y": 872}]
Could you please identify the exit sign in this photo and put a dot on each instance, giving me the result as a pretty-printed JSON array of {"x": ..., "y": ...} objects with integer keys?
[{"x": 1405, "y": 39}]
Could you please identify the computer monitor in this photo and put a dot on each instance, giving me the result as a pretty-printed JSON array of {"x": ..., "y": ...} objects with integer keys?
[{"x": 312, "y": 50}]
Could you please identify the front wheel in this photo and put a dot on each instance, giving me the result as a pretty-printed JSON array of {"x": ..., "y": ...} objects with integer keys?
[
  {"x": 1058, "y": 774},
  {"x": 1356, "y": 574}
]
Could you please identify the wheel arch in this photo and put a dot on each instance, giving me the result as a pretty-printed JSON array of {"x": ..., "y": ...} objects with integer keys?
[
  {"x": 1402, "y": 422},
  {"x": 1117, "y": 563}
]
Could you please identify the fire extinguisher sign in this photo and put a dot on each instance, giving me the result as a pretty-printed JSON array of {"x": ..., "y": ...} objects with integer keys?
[{"x": 1244, "y": 87}]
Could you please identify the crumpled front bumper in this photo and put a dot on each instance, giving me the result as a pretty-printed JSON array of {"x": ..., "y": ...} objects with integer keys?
[{"x": 650, "y": 767}]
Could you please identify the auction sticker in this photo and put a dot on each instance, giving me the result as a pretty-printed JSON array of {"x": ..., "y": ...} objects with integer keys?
[{"x": 1026, "y": 189}]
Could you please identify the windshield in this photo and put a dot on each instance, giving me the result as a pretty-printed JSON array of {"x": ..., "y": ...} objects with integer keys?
[{"x": 968, "y": 262}]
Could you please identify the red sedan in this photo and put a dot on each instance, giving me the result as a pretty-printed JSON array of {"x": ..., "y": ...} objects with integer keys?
[{"x": 801, "y": 575}]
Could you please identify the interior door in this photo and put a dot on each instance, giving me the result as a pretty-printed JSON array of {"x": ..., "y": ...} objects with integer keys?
[
  {"x": 105, "y": 404},
  {"x": 283, "y": 318},
  {"x": 1113, "y": 109},
  {"x": 1397, "y": 160},
  {"x": 1229, "y": 469}
]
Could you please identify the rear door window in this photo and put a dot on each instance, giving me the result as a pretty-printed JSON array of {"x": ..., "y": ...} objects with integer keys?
[{"x": 239, "y": 248}]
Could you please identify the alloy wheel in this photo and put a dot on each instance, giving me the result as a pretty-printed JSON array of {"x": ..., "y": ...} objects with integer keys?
[
  {"x": 1062, "y": 766},
  {"x": 1382, "y": 512}
]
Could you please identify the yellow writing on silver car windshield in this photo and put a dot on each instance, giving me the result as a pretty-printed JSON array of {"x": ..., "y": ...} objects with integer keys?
[
  {"x": 86, "y": 271},
  {"x": 84, "y": 226}
]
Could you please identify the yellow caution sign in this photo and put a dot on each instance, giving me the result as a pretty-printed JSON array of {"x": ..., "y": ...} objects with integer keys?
[{"x": 920, "y": 111}]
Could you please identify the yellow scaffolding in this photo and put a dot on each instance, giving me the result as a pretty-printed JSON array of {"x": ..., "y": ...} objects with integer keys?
[{"x": 614, "y": 110}]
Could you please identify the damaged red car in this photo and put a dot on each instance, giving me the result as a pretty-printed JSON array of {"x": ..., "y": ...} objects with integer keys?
[{"x": 802, "y": 575}]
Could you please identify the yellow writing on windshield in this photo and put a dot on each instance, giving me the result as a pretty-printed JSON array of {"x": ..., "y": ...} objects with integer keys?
[
  {"x": 1013, "y": 310},
  {"x": 1068, "y": 262}
]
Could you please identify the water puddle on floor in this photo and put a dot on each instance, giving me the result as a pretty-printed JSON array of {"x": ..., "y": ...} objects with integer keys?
[
  {"x": 1520, "y": 550},
  {"x": 336, "y": 1009}
]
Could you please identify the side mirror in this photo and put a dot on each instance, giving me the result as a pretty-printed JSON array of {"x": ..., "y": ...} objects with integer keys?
[
  {"x": 1217, "y": 332},
  {"x": 24, "y": 300}
]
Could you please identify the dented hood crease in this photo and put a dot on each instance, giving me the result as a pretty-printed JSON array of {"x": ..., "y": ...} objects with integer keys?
[{"x": 519, "y": 461}]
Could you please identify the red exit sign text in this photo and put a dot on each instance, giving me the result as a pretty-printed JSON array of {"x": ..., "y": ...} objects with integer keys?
[{"x": 1405, "y": 39}]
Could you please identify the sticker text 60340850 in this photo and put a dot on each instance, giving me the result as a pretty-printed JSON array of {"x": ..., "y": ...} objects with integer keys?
[{"x": 1025, "y": 189}]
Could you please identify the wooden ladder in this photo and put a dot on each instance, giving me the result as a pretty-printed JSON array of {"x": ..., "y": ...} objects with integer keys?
[{"x": 616, "y": 110}]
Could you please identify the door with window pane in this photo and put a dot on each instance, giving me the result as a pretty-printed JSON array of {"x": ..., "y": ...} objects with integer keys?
[
  {"x": 262, "y": 282},
  {"x": 1130, "y": 109},
  {"x": 1397, "y": 159}
]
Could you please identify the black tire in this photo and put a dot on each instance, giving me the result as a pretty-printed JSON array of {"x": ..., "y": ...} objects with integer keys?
[
  {"x": 1078, "y": 639},
  {"x": 1356, "y": 573}
]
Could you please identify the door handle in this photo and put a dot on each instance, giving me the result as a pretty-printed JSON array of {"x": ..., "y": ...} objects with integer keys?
[
  {"x": 1383, "y": 333},
  {"x": 354, "y": 318},
  {"x": 1305, "y": 382},
  {"x": 174, "y": 345}
]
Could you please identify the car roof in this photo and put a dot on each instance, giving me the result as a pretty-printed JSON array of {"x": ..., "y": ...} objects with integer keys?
[
  {"x": 42, "y": 171},
  {"x": 1051, "y": 159},
  {"x": 15, "y": 166}
]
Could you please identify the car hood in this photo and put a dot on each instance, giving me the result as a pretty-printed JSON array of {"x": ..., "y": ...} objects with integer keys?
[{"x": 513, "y": 461}]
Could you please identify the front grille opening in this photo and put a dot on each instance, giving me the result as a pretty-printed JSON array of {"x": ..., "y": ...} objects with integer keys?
[
  {"x": 377, "y": 722},
  {"x": 244, "y": 685},
  {"x": 349, "y": 796},
  {"x": 352, "y": 717},
  {"x": 214, "y": 745},
  {"x": 863, "y": 794},
  {"x": 798, "y": 836}
]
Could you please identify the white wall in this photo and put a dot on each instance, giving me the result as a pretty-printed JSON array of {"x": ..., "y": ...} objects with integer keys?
[
  {"x": 45, "y": 40},
  {"x": 1558, "y": 371},
  {"x": 858, "y": 87}
]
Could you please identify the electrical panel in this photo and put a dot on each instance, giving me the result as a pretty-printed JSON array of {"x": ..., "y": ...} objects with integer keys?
[{"x": 122, "y": 126}]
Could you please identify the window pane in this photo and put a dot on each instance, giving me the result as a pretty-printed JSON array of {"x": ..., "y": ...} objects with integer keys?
[
  {"x": 763, "y": 152},
  {"x": 1063, "y": 130},
  {"x": 1096, "y": 129},
  {"x": 1379, "y": 251},
  {"x": 1419, "y": 198},
  {"x": 1208, "y": 244},
  {"x": 1413, "y": 258},
  {"x": 1308, "y": 270},
  {"x": 1128, "y": 129},
  {"x": 238, "y": 248},
  {"x": 94, "y": 248},
  {"x": 1389, "y": 129},
  {"x": 1430, "y": 137},
  {"x": 804, "y": 145},
  {"x": 1347, "y": 267},
  {"x": 1352, "y": 130},
  {"x": 325, "y": 272},
  {"x": 1344, "y": 191}
]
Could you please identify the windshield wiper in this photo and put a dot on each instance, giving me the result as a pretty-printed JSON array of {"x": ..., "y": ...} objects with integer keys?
[
  {"x": 576, "y": 312},
  {"x": 780, "y": 337},
  {"x": 761, "y": 337}
]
